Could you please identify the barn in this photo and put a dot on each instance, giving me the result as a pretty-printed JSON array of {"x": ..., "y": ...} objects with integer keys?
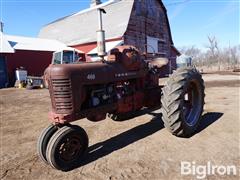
[
  {"x": 34, "y": 54},
  {"x": 141, "y": 23}
]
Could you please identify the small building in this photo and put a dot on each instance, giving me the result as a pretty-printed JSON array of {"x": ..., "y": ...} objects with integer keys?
[
  {"x": 141, "y": 23},
  {"x": 34, "y": 54}
]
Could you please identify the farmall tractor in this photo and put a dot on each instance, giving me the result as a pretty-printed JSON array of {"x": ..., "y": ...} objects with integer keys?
[{"x": 118, "y": 86}]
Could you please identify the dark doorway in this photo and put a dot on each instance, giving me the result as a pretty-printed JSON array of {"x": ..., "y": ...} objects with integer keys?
[{"x": 3, "y": 72}]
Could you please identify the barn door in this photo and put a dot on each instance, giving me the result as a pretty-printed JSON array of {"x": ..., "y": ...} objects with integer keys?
[{"x": 3, "y": 72}]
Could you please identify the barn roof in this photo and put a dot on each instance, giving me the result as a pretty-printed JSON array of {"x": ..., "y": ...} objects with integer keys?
[
  {"x": 5, "y": 47},
  {"x": 81, "y": 27},
  {"x": 34, "y": 44}
]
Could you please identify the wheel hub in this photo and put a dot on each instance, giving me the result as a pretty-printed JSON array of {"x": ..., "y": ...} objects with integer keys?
[{"x": 70, "y": 149}]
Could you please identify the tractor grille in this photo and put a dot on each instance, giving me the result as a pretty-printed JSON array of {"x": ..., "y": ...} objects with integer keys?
[{"x": 62, "y": 93}]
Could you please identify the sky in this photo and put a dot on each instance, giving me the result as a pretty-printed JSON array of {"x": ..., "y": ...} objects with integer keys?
[{"x": 191, "y": 21}]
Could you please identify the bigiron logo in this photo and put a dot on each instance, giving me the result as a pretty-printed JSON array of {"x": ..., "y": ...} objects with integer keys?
[{"x": 202, "y": 171}]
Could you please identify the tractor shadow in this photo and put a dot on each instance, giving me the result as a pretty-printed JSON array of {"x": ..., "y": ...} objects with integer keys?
[
  {"x": 130, "y": 136},
  {"x": 207, "y": 120},
  {"x": 122, "y": 140}
]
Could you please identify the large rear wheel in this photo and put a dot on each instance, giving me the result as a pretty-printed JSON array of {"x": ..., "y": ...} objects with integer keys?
[{"x": 183, "y": 101}]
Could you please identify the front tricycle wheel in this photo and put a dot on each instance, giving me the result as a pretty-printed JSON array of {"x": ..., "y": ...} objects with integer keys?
[
  {"x": 66, "y": 147},
  {"x": 183, "y": 101},
  {"x": 43, "y": 140}
]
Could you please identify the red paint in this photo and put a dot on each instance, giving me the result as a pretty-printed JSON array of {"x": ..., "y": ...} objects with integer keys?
[
  {"x": 138, "y": 100},
  {"x": 35, "y": 62},
  {"x": 87, "y": 47},
  {"x": 175, "y": 51},
  {"x": 125, "y": 104}
]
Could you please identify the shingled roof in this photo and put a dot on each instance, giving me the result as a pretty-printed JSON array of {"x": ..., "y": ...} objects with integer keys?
[{"x": 80, "y": 28}]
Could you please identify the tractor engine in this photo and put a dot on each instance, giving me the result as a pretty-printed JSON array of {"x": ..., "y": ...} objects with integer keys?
[{"x": 91, "y": 90}]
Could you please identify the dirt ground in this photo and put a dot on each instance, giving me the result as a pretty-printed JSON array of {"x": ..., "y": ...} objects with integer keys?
[{"x": 139, "y": 148}]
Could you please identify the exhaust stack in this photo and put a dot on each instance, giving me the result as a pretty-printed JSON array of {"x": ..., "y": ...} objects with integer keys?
[
  {"x": 95, "y": 3},
  {"x": 1, "y": 26},
  {"x": 101, "y": 45}
]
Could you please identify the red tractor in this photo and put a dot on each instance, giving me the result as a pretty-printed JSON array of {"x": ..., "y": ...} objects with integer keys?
[{"x": 119, "y": 86}]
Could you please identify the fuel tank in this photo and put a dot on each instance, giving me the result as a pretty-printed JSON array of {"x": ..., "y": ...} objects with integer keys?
[{"x": 93, "y": 72}]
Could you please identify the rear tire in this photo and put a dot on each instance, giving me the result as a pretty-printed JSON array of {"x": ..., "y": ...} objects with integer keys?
[
  {"x": 66, "y": 147},
  {"x": 182, "y": 102}
]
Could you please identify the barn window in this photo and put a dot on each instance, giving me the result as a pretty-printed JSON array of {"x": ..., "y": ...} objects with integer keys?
[
  {"x": 152, "y": 44},
  {"x": 156, "y": 46}
]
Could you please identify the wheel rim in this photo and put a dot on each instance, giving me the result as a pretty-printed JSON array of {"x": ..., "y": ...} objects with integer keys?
[
  {"x": 192, "y": 104},
  {"x": 70, "y": 149}
]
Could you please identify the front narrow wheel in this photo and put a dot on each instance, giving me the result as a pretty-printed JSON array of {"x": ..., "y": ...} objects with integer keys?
[
  {"x": 182, "y": 102},
  {"x": 43, "y": 140},
  {"x": 67, "y": 147}
]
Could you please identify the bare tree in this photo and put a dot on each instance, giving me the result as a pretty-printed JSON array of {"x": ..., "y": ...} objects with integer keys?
[
  {"x": 234, "y": 56},
  {"x": 214, "y": 51},
  {"x": 228, "y": 57},
  {"x": 193, "y": 52}
]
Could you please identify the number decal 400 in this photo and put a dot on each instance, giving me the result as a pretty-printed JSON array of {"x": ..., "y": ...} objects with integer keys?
[{"x": 91, "y": 76}]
